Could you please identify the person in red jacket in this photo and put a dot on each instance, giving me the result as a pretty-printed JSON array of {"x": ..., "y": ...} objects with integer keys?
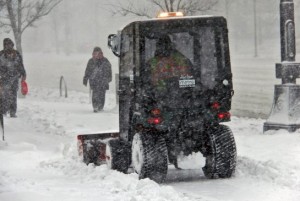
[{"x": 11, "y": 69}]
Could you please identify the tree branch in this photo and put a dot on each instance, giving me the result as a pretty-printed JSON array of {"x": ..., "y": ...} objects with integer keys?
[
  {"x": 189, "y": 7},
  {"x": 178, "y": 5},
  {"x": 155, "y": 2},
  {"x": 119, "y": 9},
  {"x": 167, "y": 6},
  {"x": 2, "y": 4},
  {"x": 19, "y": 15},
  {"x": 41, "y": 9},
  {"x": 3, "y": 24},
  {"x": 12, "y": 16}
]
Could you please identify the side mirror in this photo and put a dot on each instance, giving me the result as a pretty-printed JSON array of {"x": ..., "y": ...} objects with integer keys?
[{"x": 114, "y": 44}]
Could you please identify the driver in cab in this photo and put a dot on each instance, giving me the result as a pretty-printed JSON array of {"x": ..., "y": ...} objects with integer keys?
[{"x": 168, "y": 63}]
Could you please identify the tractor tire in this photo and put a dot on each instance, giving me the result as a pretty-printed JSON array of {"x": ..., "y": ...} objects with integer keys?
[
  {"x": 150, "y": 157},
  {"x": 221, "y": 155},
  {"x": 117, "y": 155}
]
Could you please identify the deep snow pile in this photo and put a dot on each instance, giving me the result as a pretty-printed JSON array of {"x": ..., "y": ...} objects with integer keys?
[{"x": 39, "y": 159}]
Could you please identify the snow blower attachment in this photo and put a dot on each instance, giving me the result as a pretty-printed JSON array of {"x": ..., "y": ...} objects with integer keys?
[
  {"x": 92, "y": 147},
  {"x": 175, "y": 90}
]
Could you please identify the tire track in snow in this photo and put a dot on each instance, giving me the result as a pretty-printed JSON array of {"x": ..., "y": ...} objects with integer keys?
[{"x": 269, "y": 171}]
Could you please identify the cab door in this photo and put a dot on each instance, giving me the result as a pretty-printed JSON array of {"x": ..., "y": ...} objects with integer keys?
[{"x": 126, "y": 76}]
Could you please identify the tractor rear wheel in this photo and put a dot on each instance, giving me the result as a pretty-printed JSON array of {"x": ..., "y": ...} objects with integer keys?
[
  {"x": 221, "y": 154},
  {"x": 150, "y": 156}
]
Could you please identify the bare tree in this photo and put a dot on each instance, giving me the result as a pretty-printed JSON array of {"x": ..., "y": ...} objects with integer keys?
[
  {"x": 148, "y": 8},
  {"x": 18, "y": 15},
  {"x": 2, "y": 4}
]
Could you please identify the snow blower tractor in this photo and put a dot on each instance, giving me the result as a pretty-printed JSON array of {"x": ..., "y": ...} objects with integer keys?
[{"x": 175, "y": 91}]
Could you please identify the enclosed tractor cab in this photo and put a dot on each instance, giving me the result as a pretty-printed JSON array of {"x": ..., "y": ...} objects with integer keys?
[{"x": 175, "y": 90}]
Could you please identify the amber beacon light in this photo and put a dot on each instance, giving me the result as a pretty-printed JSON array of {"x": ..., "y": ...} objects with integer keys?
[{"x": 170, "y": 14}]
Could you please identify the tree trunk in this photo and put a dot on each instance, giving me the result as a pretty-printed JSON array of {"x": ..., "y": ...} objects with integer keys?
[
  {"x": 18, "y": 40},
  {"x": 18, "y": 37},
  {"x": 15, "y": 23}
]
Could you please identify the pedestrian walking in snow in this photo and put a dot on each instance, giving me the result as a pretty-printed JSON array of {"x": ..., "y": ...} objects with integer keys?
[
  {"x": 11, "y": 70},
  {"x": 98, "y": 73}
]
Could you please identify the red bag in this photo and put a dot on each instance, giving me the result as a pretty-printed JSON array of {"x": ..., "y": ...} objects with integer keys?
[{"x": 24, "y": 87}]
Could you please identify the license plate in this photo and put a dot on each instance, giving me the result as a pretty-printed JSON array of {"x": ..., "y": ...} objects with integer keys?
[{"x": 186, "y": 83}]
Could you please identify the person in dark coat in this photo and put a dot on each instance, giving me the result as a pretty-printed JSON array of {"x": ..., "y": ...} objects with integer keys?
[
  {"x": 11, "y": 69},
  {"x": 98, "y": 73}
]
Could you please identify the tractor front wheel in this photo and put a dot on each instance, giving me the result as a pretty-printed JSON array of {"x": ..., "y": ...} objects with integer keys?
[{"x": 150, "y": 156}]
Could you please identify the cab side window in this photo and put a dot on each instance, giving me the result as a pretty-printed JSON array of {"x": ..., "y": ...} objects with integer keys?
[
  {"x": 126, "y": 54},
  {"x": 208, "y": 57}
]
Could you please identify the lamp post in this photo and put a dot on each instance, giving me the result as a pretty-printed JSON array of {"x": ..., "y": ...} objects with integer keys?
[
  {"x": 285, "y": 112},
  {"x": 255, "y": 28}
]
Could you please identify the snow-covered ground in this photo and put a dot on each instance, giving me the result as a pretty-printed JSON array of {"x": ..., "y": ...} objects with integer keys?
[{"x": 39, "y": 160}]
